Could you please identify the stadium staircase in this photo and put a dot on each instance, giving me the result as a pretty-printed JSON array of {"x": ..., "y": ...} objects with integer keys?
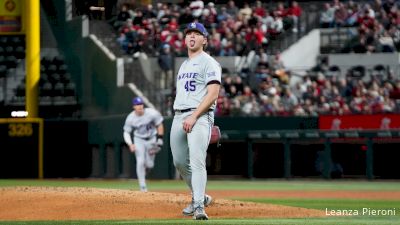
[
  {"x": 309, "y": 21},
  {"x": 133, "y": 68}
]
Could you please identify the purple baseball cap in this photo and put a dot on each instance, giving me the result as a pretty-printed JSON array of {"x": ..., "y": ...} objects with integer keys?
[
  {"x": 197, "y": 27},
  {"x": 137, "y": 101}
]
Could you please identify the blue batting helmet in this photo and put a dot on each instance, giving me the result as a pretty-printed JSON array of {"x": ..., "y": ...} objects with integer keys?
[{"x": 137, "y": 101}]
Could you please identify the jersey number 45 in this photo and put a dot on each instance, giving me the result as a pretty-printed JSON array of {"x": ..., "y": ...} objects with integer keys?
[{"x": 190, "y": 85}]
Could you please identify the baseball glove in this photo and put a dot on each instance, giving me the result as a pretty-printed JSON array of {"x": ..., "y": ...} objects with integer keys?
[
  {"x": 215, "y": 135},
  {"x": 154, "y": 149}
]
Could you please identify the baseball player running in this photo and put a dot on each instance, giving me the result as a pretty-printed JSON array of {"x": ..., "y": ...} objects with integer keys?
[
  {"x": 197, "y": 86},
  {"x": 148, "y": 137}
]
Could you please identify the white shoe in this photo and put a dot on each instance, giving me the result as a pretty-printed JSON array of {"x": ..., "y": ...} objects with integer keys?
[
  {"x": 200, "y": 214},
  {"x": 143, "y": 188},
  {"x": 189, "y": 210}
]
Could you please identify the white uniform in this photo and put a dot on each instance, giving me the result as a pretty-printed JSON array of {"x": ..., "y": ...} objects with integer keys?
[
  {"x": 189, "y": 150},
  {"x": 145, "y": 137}
]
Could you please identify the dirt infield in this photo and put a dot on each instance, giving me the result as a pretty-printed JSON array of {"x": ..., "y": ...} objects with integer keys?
[{"x": 56, "y": 203}]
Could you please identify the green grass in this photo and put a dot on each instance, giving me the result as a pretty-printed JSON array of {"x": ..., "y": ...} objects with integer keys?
[
  {"x": 306, "y": 221},
  {"x": 335, "y": 204},
  {"x": 215, "y": 184},
  {"x": 299, "y": 185}
]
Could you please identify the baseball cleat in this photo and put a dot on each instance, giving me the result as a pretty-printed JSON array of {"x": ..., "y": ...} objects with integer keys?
[
  {"x": 143, "y": 189},
  {"x": 200, "y": 214},
  {"x": 189, "y": 210}
]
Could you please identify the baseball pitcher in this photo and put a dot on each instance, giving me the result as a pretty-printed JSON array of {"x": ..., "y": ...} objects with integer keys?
[
  {"x": 148, "y": 137},
  {"x": 197, "y": 86}
]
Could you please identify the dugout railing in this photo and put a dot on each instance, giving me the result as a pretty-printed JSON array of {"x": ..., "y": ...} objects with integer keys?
[{"x": 327, "y": 137}]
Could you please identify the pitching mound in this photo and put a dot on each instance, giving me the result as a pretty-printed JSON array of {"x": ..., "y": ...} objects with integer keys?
[{"x": 56, "y": 203}]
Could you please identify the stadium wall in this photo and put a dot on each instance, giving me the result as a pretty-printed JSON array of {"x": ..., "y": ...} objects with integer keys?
[
  {"x": 245, "y": 151},
  {"x": 94, "y": 71}
]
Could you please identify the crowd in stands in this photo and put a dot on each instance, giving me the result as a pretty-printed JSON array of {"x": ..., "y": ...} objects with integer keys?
[
  {"x": 233, "y": 30},
  {"x": 313, "y": 95},
  {"x": 377, "y": 24},
  {"x": 320, "y": 93},
  {"x": 267, "y": 89}
]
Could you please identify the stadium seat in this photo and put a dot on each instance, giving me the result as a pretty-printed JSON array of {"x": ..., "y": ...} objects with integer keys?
[
  {"x": 379, "y": 70},
  {"x": 43, "y": 79},
  {"x": 3, "y": 71},
  {"x": 58, "y": 60},
  {"x": 11, "y": 61},
  {"x": 334, "y": 70},
  {"x": 16, "y": 41},
  {"x": 20, "y": 90},
  {"x": 66, "y": 78},
  {"x": 9, "y": 50},
  {"x": 2, "y": 60},
  {"x": 51, "y": 69},
  {"x": 70, "y": 89},
  {"x": 62, "y": 69},
  {"x": 19, "y": 52},
  {"x": 45, "y": 61},
  {"x": 46, "y": 89},
  {"x": 58, "y": 89},
  {"x": 42, "y": 69},
  {"x": 357, "y": 71},
  {"x": 54, "y": 78},
  {"x": 3, "y": 40}
]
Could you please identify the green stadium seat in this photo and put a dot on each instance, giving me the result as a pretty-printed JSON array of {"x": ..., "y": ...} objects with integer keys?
[{"x": 3, "y": 71}]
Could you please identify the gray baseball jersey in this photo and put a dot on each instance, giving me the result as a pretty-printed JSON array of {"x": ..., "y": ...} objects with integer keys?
[
  {"x": 192, "y": 79},
  {"x": 146, "y": 125},
  {"x": 189, "y": 150},
  {"x": 145, "y": 131}
]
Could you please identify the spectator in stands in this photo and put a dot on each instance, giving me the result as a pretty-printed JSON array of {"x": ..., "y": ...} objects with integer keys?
[
  {"x": 276, "y": 27},
  {"x": 186, "y": 17},
  {"x": 231, "y": 9},
  {"x": 123, "y": 42},
  {"x": 222, "y": 14},
  {"x": 259, "y": 9},
  {"x": 289, "y": 100},
  {"x": 138, "y": 17},
  {"x": 149, "y": 12},
  {"x": 166, "y": 18},
  {"x": 327, "y": 18},
  {"x": 197, "y": 7},
  {"x": 294, "y": 12},
  {"x": 251, "y": 107},
  {"x": 122, "y": 16},
  {"x": 341, "y": 15},
  {"x": 227, "y": 44},
  {"x": 209, "y": 15},
  {"x": 246, "y": 12},
  {"x": 165, "y": 61},
  {"x": 266, "y": 22},
  {"x": 386, "y": 42},
  {"x": 214, "y": 44},
  {"x": 354, "y": 11}
]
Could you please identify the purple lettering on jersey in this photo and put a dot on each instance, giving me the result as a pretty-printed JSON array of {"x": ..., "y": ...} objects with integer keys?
[
  {"x": 211, "y": 74},
  {"x": 187, "y": 75}
]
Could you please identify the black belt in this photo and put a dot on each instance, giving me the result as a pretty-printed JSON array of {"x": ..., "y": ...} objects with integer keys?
[
  {"x": 188, "y": 110},
  {"x": 146, "y": 139}
]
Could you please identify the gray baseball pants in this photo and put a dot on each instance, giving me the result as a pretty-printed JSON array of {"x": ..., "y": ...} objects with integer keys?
[
  {"x": 189, "y": 151},
  {"x": 143, "y": 158}
]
